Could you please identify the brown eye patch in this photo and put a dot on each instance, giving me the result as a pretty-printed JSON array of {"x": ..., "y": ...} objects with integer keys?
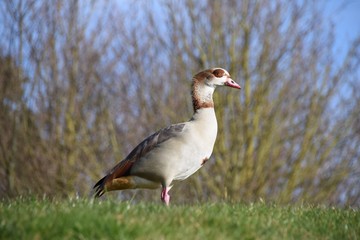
[{"x": 219, "y": 73}]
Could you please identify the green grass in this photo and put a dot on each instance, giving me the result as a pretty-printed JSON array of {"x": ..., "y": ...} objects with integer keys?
[{"x": 84, "y": 219}]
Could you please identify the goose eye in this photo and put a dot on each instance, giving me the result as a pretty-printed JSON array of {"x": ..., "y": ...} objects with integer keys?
[{"x": 218, "y": 73}]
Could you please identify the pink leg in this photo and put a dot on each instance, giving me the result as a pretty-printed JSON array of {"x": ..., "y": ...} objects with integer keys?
[{"x": 165, "y": 197}]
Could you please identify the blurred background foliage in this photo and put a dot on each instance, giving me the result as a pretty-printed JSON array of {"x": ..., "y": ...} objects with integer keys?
[{"x": 82, "y": 82}]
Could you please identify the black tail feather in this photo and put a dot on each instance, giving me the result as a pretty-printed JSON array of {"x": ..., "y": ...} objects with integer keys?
[{"x": 100, "y": 187}]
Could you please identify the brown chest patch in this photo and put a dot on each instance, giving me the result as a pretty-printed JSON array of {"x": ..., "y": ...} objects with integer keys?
[
  {"x": 199, "y": 103},
  {"x": 204, "y": 161}
]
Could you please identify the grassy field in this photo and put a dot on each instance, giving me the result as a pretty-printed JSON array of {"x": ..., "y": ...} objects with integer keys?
[{"x": 84, "y": 219}]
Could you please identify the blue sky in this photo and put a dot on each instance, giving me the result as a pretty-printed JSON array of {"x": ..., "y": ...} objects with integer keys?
[{"x": 346, "y": 16}]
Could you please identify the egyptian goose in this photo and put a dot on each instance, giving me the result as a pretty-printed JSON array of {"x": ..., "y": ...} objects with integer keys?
[{"x": 175, "y": 152}]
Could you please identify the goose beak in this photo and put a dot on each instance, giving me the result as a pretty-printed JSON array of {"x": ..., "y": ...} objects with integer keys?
[{"x": 231, "y": 83}]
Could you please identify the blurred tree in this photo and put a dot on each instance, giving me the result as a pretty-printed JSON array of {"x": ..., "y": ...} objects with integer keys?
[
  {"x": 103, "y": 75},
  {"x": 10, "y": 98},
  {"x": 67, "y": 91},
  {"x": 282, "y": 139}
]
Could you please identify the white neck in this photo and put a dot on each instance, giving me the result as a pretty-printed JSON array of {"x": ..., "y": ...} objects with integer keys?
[
  {"x": 204, "y": 114},
  {"x": 205, "y": 126}
]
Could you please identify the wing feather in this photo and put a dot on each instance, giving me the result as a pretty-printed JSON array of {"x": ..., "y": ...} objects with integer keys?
[{"x": 123, "y": 167}]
